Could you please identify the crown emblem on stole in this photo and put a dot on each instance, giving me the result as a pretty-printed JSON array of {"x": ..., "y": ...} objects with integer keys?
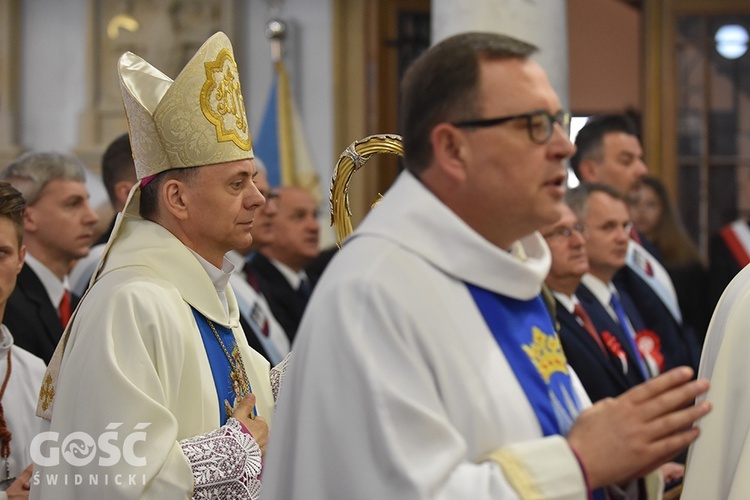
[{"x": 545, "y": 352}]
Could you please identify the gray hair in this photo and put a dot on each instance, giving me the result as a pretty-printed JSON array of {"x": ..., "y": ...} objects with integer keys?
[
  {"x": 31, "y": 172},
  {"x": 578, "y": 197}
]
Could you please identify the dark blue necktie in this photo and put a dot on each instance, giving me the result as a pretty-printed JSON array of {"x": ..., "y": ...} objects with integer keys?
[
  {"x": 305, "y": 288},
  {"x": 622, "y": 318}
]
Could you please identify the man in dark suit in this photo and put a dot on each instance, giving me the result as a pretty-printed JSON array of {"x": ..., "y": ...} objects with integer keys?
[
  {"x": 609, "y": 152},
  {"x": 59, "y": 227},
  {"x": 604, "y": 213},
  {"x": 279, "y": 267},
  {"x": 598, "y": 356},
  {"x": 633, "y": 348}
]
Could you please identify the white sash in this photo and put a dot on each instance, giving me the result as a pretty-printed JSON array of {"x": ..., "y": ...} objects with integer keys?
[
  {"x": 653, "y": 273},
  {"x": 276, "y": 344}
]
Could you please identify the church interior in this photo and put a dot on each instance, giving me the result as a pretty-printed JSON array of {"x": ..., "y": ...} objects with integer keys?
[{"x": 680, "y": 67}]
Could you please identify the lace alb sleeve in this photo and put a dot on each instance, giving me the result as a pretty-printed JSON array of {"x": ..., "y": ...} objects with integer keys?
[
  {"x": 226, "y": 463},
  {"x": 277, "y": 375}
]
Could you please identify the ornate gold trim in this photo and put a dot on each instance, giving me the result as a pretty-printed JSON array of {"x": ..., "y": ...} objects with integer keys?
[
  {"x": 222, "y": 102},
  {"x": 516, "y": 472}
]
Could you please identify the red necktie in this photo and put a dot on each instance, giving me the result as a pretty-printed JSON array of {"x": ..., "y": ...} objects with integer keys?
[
  {"x": 64, "y": 308},
  {"x": 634, "y": 235},
  {"x": 250, "y": 276},
  {"x": 581, "y": 314}
]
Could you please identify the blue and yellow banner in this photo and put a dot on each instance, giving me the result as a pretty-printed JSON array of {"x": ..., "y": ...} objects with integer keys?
[{"x": 281, "y": 143}]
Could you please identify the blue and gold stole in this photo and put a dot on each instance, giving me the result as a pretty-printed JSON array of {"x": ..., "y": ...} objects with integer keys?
[
  {"x": 524, "y": 331},
  {"x": 221, "y": 369}
]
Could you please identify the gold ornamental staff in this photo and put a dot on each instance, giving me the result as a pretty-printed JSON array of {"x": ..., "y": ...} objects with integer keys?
[{"x": 352, "y": 159}]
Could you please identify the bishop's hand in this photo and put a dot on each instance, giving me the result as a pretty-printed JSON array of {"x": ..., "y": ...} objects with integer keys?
[{"x": 255, "y": 424}]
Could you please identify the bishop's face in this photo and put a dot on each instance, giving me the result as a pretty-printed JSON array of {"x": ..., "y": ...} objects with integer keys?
[{"x": 221, "y": 203}]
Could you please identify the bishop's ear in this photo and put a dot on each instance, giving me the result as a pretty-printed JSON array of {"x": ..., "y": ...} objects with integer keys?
[{"x": 174, "y": 197}]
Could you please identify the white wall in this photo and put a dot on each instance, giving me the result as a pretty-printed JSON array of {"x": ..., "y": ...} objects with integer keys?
[
  {"x": 52, "y": 82},
  {"x": 540, "y": 23}
]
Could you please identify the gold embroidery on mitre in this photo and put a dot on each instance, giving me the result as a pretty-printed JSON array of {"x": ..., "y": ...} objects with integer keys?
[
  {"x": 47, "y": 392},
  {"x": 545, "y": 352},
  {"x": 222, "y": 102}
]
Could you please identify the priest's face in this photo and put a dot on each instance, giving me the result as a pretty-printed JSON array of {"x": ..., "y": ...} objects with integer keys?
[
  {"x": 220, "y": 205},
  {"x": 513, "y": 184},
  {"x": 11, "y": 259}
]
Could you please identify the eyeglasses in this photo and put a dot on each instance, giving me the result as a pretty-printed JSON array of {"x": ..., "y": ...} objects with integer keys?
[
  {"x": 566, "y": 232},
  {"x": 538, "y": 123}
]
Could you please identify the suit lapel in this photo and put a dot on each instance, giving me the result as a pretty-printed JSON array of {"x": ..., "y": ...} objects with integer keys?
[
  {"x": 30, "y": 285},
  {"x": 629, "y": 306},
  {"x": 604, "y": 322},
  {"x": 569, "y": 326},
  {"x": 287, "y": 305}
]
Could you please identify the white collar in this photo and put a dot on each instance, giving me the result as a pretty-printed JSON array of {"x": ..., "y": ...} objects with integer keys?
[
  {"x": 219, "y": 277},
  {"x": 52, "y": 284},
  {"x": 293, "y": 277},
  {"x": 569, "y": 302},
  {"x": 412, "y": 217},
  {"x": 600, "y": 289},
  {"x": 603, "y": 292},
  {"x": 237, "y": 259}
]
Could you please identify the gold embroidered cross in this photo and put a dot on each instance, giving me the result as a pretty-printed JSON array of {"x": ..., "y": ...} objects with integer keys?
[{"x": 47, "y": 392}]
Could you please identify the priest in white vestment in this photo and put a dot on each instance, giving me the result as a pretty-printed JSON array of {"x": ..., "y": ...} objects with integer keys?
[{"x": 427, "y": 365}]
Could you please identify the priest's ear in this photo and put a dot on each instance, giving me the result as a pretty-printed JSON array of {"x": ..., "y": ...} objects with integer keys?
[{"x": 451, "y": 151}]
